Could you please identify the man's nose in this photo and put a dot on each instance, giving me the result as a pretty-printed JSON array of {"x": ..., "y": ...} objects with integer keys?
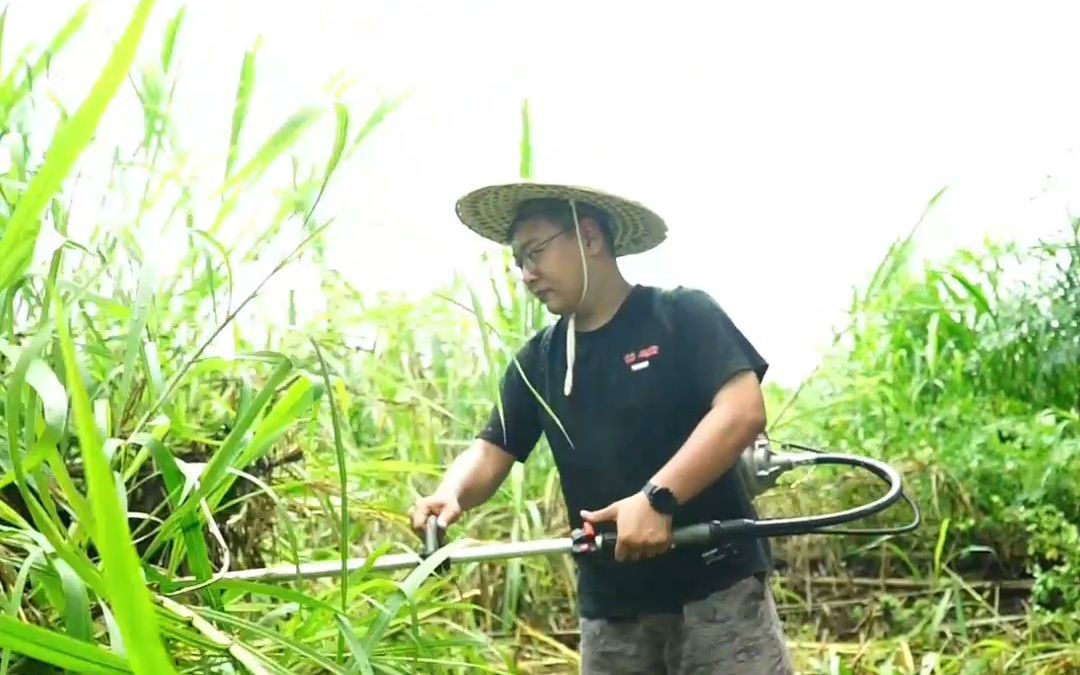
[{"x": 527, "y": 274}]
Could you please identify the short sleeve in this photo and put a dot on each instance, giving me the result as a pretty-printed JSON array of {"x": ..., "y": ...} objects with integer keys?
[
  {"x": 517, "y": 429},
  {"x": 714, "y": 347}
]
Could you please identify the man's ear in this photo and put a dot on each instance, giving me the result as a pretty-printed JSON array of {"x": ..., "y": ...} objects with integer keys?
[{"x": 591, "y": 236}]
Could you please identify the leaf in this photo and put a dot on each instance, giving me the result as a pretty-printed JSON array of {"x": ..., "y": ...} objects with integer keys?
[
  {"x": 143, "y": 297},
  {"x": 60, "y": 650},
  {"x": 76, "y": 602},
  {"x": 124, "y": 583},
  {"x": 280, "y": 141},
  {"x": 53, "y": 399},
  {"x": 325, "y": 664},
  {"x": 939, "y": 548},
  {"x": 216, "y": 245},
  {"x": 377, "y": 117},
  {"x": 10, "y": 96},
  {"x": 243, "y": 96},
  {"x": 932, "y": 342},
  {"x": 339, "y": 141},
  {"x": 525, "y": 168},
  {"x": 357, "y": 649},
  {"x": 15, "y": 600},
  {"x": 21, "y": 232},
  {"x": 198, "y": 555},
  {"x": 296, "y": 400},
  {"x": 343, "y": 481},
  {"x": 217, "y": 469},
  {"x": 47, "y": 526},
  {"x": 169, "y": 44},
  {"x": 408, "y": 589},
  {"x": 3, "y": 23}
]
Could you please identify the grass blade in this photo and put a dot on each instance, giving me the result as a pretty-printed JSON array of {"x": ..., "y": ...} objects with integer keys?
[
  {"x": 326, "y": 665},
  {"x": 525, "y": 167},
  {"x": 297, "y": 399},
  {"x": 339, "y": 141},
  {"x": 143, "y": 298},
  {"x": 343, "y": 477},
  {"x": 280, "y": 141},
  {"x": 60, "y": 650},
  {"x": 373, "y": 121},
  {"x": 198, "y": 555},
  {"x": 128, "y": 595},
  {"x": 217, "y": 468},
  {"x": 168, "y": 47},
  {"x": 243, "y": 96},
  {"x": 20, "y": 235},
  {"x": 48, "y": 527},
  {"x": 76, "y": 603},
  {"x": 15, "y": 600},
  {"x": 10, "y": 95}
]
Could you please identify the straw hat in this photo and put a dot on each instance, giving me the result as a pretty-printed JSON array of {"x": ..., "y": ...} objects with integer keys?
[{"x": 490, "y": 211}]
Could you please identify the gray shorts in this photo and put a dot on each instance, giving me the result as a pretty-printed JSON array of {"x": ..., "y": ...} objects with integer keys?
[{"x": 734, "y": 630}]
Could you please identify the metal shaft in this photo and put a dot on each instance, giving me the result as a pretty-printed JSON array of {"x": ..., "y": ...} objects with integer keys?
[
  {"x": 761, "y": 465},
  {"x": 397, "y": 561}
]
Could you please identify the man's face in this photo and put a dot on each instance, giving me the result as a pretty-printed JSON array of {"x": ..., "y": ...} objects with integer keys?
[{"x": 550, "y": 263}]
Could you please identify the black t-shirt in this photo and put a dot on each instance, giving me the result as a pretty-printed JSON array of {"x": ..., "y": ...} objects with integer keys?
[{"x": 642, "y": 382}]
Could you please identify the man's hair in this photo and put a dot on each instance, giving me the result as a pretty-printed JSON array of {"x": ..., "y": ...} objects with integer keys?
[{"x": 557, "y": 212}]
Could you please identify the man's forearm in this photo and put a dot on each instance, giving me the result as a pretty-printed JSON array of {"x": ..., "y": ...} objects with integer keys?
[
  {"x": 475, "y": 474},
  {"x": 736, "y": 418}
]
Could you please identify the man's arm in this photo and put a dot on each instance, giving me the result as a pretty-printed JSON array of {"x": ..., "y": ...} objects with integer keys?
[
  {"x": 724, "y": 380},
  {"x": 737, "y": 417},
  {"x": 477, "y": 473},
  {"x": 473, "y": 477},
  {"x": 511, "y": 432}
]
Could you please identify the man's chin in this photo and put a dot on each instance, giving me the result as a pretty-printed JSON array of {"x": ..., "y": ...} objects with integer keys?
[{"x": 555, "y": 308}]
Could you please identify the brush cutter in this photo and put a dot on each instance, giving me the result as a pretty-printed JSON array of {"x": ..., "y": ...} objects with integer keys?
[{"x": 759, "y": 465}]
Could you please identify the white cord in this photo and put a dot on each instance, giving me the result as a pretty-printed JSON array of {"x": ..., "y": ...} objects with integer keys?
[{"x": 571, "y": 331}]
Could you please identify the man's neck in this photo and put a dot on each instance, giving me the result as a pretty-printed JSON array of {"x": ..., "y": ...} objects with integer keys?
[{"x": 602, "y": 301}]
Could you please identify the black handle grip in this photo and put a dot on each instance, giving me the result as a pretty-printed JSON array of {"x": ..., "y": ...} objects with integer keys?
[
  {"x": 433, "y": 539},
  {"x": 431, "y": 535},
  {"x": 699, "y": 534},
  {"x": 713, "y": 532},
  {"x": 709, "y": 533}
]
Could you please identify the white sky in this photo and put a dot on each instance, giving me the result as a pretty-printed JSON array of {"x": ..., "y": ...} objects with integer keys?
[{"x": 769, "y": 135}]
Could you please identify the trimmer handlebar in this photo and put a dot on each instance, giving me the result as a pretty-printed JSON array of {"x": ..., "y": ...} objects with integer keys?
[
  {"x": 585, "y": 540},
  {"x": 763, "y": 464}
]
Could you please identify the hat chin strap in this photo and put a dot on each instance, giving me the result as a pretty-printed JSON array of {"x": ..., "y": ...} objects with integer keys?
[{"x": 571, "y": 341}]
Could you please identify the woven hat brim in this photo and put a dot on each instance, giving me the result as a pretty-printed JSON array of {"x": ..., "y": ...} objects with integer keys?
[{"x": 489, "y": 211}]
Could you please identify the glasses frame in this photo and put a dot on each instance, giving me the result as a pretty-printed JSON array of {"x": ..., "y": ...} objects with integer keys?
[{"x": 528, "y": 260}]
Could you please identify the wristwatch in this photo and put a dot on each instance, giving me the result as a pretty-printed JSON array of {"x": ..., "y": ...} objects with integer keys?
[{"x": 662, "y": 499}]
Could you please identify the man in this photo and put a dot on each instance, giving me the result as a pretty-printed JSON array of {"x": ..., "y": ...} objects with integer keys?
[{"x": 650, "y": 396}]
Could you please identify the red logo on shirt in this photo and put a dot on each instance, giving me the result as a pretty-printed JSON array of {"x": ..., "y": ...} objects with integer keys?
[
  {"x": 639, "y": 359},
  {"x": 648, "y": 352}
]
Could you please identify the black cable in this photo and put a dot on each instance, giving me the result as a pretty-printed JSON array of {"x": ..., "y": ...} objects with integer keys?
[
  {"x": 716, "y": 531},
  {"x": 876, "y": 531}
]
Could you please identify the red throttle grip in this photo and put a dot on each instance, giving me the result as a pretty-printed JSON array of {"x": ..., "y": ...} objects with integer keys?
[{"x": 583, "y": 539}]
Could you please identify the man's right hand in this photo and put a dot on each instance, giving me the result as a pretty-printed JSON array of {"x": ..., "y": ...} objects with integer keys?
[{"x": 446, "y": 507}]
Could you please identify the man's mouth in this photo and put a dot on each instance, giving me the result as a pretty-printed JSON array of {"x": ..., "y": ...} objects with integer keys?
[{"x": 543, "y": 295}]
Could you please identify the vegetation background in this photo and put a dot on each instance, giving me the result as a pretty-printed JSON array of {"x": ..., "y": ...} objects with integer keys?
[{"x": 159, "y": 422}]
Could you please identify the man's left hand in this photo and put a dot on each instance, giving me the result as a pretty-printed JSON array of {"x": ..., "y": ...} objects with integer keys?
[{"x": 641, "y": 531}]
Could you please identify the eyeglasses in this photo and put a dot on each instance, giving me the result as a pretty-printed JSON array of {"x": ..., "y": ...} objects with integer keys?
[{"x": 529, "y": 259}]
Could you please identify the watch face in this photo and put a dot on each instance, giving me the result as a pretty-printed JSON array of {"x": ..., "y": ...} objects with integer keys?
[{"x": 662, "y": 499}]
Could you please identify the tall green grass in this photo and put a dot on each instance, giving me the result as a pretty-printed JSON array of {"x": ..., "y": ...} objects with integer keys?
[
  {"x": 964, "y": 373},
  {"x": 156, "y": 427}
]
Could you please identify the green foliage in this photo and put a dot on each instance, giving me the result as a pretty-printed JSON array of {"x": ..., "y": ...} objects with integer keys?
[
  {"x": 963, "y": 374},
  {"x": 156, "y": 426}
]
